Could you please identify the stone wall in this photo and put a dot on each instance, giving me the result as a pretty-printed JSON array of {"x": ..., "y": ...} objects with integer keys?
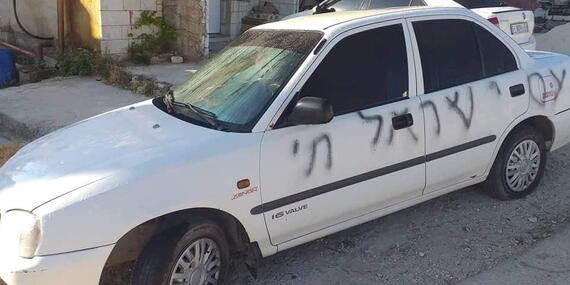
[
  {"x": 117, "y": 20},
  {"x": 189, "y": 19}
]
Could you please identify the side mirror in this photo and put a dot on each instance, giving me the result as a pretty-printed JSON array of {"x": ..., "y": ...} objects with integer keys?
[{"x": 311, "y": 111}]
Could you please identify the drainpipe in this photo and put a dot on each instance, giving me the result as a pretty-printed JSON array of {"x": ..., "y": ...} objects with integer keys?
[{"x": 60, "y": 25}]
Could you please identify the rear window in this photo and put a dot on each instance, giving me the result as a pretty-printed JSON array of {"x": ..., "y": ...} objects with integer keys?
[
  {"x": 380, "y": 4},
  {"x": 497, "y": 58},
  {"x": 473, "y": 4}
]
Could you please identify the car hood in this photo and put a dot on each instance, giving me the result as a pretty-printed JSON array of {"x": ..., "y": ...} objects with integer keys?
[{"x": 92, "y": 150}]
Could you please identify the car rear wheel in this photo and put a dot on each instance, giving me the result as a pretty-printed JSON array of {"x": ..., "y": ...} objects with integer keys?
[
  {"x": 519, "y": 166},
  {"x": 194, "y": 255}
]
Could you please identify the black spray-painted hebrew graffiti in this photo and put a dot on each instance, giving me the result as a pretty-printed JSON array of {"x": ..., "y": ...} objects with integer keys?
[
  {"x": 454, "y": 104},
  {"x": 559, "y": 80},
  {"x": 369, "y": 119},
  {"x": 295, "y": 147},
  {"x": 432, "y": 105},
  {"x": 495, "y": 85},
  {"x": 323, "y": 138}
]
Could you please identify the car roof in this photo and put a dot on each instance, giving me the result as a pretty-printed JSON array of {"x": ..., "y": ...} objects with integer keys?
[{"x": 321, "y": 22}]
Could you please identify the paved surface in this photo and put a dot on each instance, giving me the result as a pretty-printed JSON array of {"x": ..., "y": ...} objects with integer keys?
[
  {"x": 54, "y": 103},
  {"x": 4, "y": 140},
  {"x": 171, "y": 73},
  {"x": 547, "y": 263},
  {"x": 556, "y": 40},
  {"x": 443, "y": 241}
]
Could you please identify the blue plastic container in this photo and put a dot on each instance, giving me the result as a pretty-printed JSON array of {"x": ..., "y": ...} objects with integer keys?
[{"x": 7, "y": 67}]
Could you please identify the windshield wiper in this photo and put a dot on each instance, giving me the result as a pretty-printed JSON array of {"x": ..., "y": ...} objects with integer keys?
[
  {"x": 205, "y": 115},
  {"x": 325, "y": 7}
]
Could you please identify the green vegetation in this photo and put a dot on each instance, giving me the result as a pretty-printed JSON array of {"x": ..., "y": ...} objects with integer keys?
[
  {"x": 148, "y": 45},
  {"x": 77, "y": 62}
]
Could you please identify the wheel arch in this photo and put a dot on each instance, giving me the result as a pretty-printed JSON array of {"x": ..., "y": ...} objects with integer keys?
[
  {"x": 129, "y": 246},
  {"x": 538, "y": 122}
]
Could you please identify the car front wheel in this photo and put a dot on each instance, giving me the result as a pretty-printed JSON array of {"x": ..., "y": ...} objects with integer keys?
[
  {"x": 197, "y": 255},
  {"x": 519, "y": 166}
]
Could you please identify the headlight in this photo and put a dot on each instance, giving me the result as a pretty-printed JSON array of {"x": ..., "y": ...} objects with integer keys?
[{"x": 20, "y": 233}]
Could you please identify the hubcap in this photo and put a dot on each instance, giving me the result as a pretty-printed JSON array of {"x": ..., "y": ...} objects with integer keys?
[
  {"x": 199, "y": 264},
  {"x": 523, "y": 166}
]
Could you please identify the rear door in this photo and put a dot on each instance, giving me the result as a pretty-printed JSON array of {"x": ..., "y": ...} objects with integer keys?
[{"x": 472, "y": 91}]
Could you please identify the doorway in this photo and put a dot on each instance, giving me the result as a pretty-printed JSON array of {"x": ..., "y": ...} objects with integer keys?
[{"x": 214, "y": 16}]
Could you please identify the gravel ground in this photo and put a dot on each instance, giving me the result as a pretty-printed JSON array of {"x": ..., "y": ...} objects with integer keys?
[{"x": 442, "y": 241}]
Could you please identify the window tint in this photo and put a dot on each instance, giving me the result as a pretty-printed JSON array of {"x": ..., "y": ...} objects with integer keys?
[
  {"x": 378, "y": 4},
  {"x": 362, "y": 71},
  {"x": 497, "y": 58},
  {"x": 449, "y": 53},
  {"x": 472, "y": 4},
  {"x": 346, "y": 5}
]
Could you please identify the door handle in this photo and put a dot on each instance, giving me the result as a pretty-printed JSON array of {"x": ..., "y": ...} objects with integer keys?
[
  {"x": 517, "y": 90},
  {"x": 402, "y": 121}
]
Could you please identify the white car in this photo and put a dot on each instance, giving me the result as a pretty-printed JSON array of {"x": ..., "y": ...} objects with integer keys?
[
  {"x": 516, "y": 22},
  {"x": 299, "y": 129}
]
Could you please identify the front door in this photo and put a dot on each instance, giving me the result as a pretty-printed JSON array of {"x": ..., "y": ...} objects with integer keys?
[
  {"x": 370, "y": 156},
  {"x": 214, "y": 16},
  {"x": 473, "y": 91}
]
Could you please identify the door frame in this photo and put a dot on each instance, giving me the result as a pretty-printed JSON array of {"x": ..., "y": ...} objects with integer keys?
[
  {"x": 298, "y": 81},
  {"x": 328, "y": 42}
]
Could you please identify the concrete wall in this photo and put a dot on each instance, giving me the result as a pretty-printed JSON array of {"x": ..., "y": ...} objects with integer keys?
[
  {"x": 37, "y": 16},
  {"x": 117, "y": 19},
  {"x": 84, "y": 23},
  {"x": 188, "y": 17}
]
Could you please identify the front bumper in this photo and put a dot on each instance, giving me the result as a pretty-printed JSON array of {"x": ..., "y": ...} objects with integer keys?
[{"x": 81, "y": 267}]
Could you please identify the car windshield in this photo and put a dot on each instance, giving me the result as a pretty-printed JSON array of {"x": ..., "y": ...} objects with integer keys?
[
  {"x": 347, "y": 5},
  {"x": 238, "y": 85},
  {"x": 473, "y": 4}
]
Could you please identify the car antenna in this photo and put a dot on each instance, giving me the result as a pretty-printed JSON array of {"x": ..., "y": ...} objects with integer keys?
[{"x": 323, "y": 7}]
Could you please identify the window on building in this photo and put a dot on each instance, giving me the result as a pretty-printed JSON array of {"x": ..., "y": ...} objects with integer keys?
[{"x": 362, "y": 71}]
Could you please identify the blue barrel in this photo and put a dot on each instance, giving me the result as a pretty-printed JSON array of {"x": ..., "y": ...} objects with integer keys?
[{"x": 7, "y": 67}]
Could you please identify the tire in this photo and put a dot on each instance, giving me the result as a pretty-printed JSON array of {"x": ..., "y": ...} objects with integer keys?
[
  {"x": 167, "y": 254},
  {"x": 504, "y": 184}
]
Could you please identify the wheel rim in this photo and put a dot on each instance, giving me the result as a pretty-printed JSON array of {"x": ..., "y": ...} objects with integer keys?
[
  {"x": 199, "y": 264},
  {"x": 523, "y": 166}
]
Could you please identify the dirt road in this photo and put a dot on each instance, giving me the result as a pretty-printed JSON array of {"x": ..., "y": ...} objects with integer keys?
[{"x": 439, "y": 242}]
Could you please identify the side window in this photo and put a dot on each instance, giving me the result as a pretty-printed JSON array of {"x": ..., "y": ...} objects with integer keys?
[
  {"x": 497, "y": 58},
  {"x": 362, "y": 71},
  {"x": 449, "y": 53}
]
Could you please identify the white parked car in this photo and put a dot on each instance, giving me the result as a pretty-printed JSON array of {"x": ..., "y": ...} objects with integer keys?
[
  {"x": 299, "y": 129},
  {"x": 516, "y": 22}
]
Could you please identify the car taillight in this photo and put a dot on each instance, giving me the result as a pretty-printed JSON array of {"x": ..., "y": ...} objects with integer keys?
[{"x": 494, "y": 21}]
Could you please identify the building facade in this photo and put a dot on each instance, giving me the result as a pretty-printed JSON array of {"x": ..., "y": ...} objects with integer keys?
[{"x": 107, "y": 25}]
